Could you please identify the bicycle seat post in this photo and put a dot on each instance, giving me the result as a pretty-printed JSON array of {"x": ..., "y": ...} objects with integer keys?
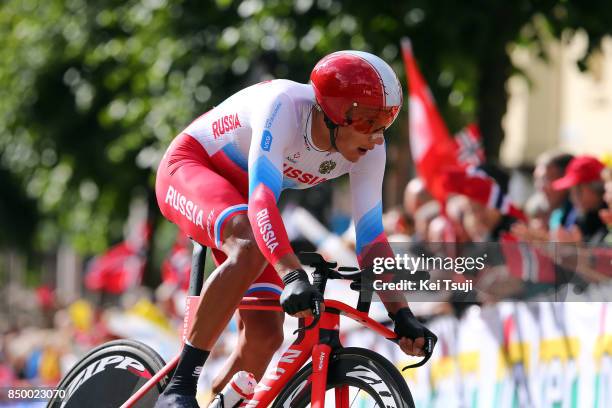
[{"x": 198, "y": 261}]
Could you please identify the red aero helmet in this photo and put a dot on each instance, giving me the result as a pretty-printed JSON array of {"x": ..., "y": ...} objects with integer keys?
[{"x": 357, "y": 89}]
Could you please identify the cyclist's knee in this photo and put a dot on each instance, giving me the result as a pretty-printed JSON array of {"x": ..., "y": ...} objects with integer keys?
[{"x": 240, "y": 245}]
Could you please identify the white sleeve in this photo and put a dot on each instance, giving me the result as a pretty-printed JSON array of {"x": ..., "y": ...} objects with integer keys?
[
  {"x": 273, "y": 128},
  {"x": 366, "y": 178}
]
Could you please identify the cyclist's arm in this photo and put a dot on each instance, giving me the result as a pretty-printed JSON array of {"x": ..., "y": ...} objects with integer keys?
[
  {"x": 366, "y": 194},
  {"x": 273, "y": 127}
]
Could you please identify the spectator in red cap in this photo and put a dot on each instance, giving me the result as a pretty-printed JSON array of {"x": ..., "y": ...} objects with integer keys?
[
  {"x": 593, "y": 262},
  {"x": 583, "y": 179}
]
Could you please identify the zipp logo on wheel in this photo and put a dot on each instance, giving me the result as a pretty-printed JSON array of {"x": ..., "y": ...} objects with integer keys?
[{"x": 115, "y": 361}]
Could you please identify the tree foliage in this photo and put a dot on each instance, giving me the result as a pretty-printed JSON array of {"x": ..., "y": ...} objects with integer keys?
[{"x": 92, "y": 92}]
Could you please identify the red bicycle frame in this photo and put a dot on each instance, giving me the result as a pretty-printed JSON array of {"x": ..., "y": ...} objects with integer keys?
[{"x": 315, "y": 343}]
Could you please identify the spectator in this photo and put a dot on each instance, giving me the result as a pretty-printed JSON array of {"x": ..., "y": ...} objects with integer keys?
[
  {"x": 415, "y": 196},
  {"x": 549, "y": 168},
  {"x": 456, "y": 208},
  {"x": 593, "y": 261},
  {"x": 483, "y": 223},
  {"x": 606, "y": 213},
  {"x": 398, "y": 226},
  {"x": 583, "y": 179},
  {"x": 441, "y": 237},
  {"x": 537, "y": 210},
  {"x": 422, "y": 218},
  {"x": 440, "y": 230}
]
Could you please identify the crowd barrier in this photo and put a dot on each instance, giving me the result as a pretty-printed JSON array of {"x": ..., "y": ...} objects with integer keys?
[{"x": 540, "y": 355}]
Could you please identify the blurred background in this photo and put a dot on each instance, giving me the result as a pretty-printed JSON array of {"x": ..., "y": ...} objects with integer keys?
[{"x": 92, "y": 93}]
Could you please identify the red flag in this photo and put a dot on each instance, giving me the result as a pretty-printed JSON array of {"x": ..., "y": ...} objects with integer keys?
[
  {"x": 115, "y": 271},
  {"x": 121, "y": 267},
  {"x": 433, "y": 149},
  {"x": 444, "y": 163},
  {"x": 177, "y": 266}
]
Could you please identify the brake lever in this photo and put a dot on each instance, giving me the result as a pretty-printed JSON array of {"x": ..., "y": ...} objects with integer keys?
[
  {"x": 316, "y": 312},
  {"x": 428, "y": 349}
]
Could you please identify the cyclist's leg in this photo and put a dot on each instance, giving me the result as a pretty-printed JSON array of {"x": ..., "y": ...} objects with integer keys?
[
  {"x": 224, "y": 289},
  {"x": 208, "y": 208},
  {"x": 260, "y": 336},
  {"x": 260, "y": 332}
]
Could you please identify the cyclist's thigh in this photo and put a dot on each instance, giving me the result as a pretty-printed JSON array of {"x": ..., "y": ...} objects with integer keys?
[
  {"x": 262, "y": 330},
  {"x": 191, "y": 194},
  {"x": 267, "y": 285}
]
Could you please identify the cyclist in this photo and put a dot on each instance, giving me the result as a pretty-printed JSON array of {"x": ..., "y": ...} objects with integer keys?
[{"x": 220, "y": 180}]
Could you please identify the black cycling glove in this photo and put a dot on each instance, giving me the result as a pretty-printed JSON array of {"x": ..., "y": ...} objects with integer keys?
[
  {"x": 406, "y": 325},
  {"x": 298, "y": 294}
]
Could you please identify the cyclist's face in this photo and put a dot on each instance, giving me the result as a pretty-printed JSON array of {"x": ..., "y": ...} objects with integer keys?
[{"x": 354, "y": 145}]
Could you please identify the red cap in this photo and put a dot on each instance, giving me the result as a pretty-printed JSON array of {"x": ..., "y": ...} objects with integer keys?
[{"x": 582, "y": 169}]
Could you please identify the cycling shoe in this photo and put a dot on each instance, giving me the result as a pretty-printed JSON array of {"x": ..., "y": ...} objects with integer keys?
[{"x": 176, "y": 401}]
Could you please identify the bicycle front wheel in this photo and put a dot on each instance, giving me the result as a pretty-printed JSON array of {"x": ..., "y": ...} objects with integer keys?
[
  {"x": 109, "y": 375},
  {"x": 356, "y": 378}
]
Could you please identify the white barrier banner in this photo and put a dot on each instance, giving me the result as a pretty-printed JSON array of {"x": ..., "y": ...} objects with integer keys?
[
  {"x": 516, "y": 355},
  {"x": 510, "y": 355}
]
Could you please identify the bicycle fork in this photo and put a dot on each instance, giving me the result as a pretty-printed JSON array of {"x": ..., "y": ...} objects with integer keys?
[
  {"x": 328, "y": 341},
  {"x": 319, "y": 343}
]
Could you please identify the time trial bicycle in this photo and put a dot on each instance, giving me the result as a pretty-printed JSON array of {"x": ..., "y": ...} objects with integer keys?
[{"x": 126, "y": 373}]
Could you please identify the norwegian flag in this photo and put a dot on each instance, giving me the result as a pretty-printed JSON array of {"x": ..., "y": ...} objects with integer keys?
[
  {"x": 122, "y": 266},
  {"x": 176, "y": 268},
  {"x": 469, "y": 146},
  {"x": 476, "y": 184},
  {"x": 527, "y": 262},
  {"x": 433, "y": 149}
]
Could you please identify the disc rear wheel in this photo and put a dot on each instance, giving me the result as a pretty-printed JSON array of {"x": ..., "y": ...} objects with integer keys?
[{"x": 109, "y": 375}]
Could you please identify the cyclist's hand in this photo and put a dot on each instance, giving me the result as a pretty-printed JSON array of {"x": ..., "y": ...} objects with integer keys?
[
  {"x": 411, "y": 332},
  {"x": 299, "y": 295}
]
